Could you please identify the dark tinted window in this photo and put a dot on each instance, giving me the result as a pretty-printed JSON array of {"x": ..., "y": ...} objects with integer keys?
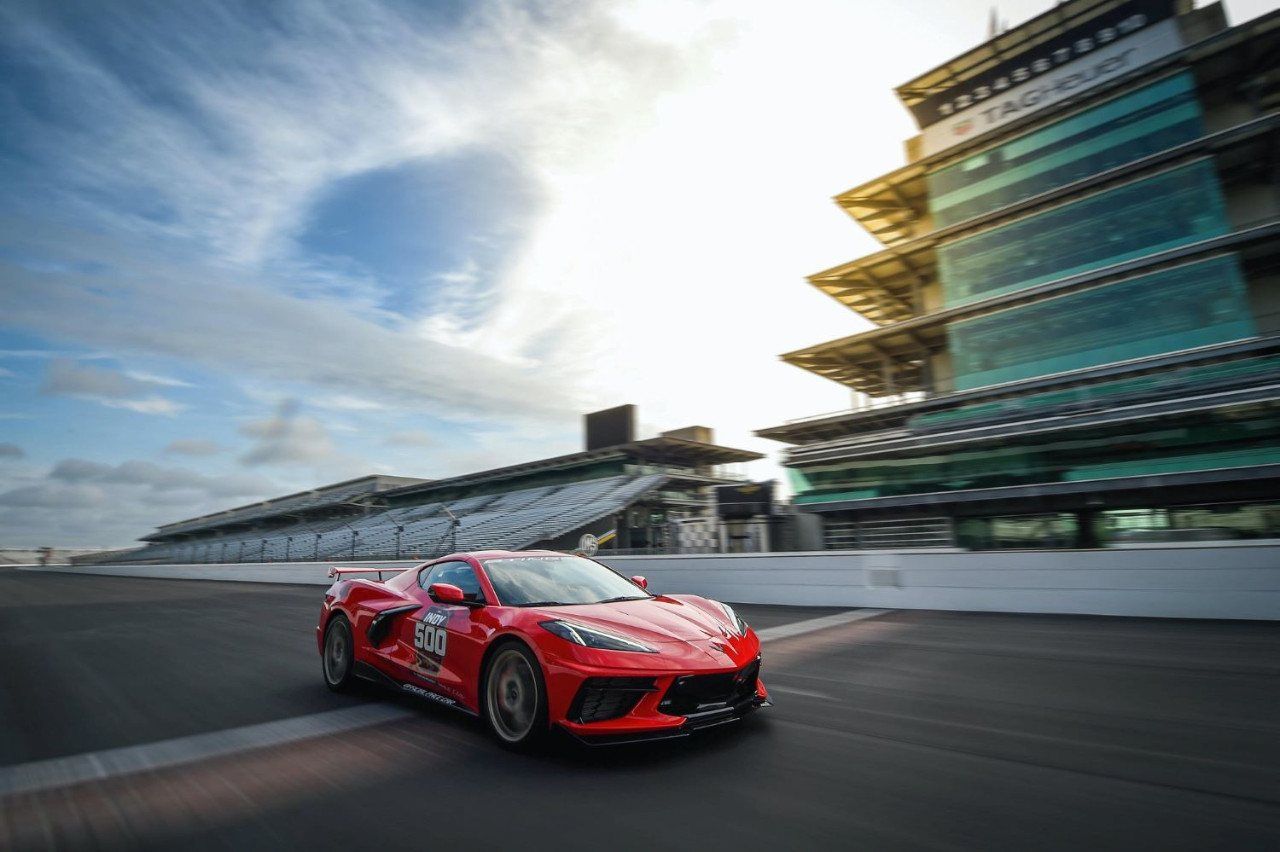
[
  {"x": 1183, "y": 307},
  {"x": 1174, "y": 208},
  {"x": 458, "y": 574}
]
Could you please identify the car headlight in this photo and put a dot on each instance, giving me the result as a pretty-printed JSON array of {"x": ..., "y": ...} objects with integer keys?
[
  {"x": 736, "y": 620},
  {"x": 594, "y": 637}
]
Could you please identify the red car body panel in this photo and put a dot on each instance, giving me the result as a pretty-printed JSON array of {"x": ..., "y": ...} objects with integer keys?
[{"x": 692, "y": 636}]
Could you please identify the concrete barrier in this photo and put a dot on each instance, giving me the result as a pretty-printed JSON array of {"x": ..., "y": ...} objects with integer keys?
[
  {"x": 1172, "y": 581},
  {"x": 1166, "y": 581},
  {"x": 308, "y": 573}
]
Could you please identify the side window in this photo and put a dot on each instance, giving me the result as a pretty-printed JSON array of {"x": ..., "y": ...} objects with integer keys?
[
  {"x": 458, "y": 574},
  {"x": 432, "y": 575}
]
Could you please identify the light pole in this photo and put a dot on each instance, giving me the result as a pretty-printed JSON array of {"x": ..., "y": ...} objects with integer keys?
[{"x": 454, "y": 523}]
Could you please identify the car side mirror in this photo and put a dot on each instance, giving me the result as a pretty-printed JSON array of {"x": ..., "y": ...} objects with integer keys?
[
  {"x": 447, "y": 593},
  {"x": 641, "y": 582}
]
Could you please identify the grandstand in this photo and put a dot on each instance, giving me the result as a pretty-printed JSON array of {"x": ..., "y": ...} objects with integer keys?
[{"x": 639, "y": 490}]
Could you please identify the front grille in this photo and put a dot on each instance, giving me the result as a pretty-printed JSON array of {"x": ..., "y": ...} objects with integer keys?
[
  {"x": 699, "y": 693},
  {"x": 602, "y": 698}
]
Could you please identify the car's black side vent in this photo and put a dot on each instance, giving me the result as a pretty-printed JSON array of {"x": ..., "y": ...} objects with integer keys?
[
  {"x": 699, "y": 693},
  {"x": 602, "y": 698},
  {"x": 381, "y": 623}
]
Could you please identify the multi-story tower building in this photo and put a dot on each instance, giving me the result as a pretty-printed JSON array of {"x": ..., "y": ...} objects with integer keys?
[{"x": 1076, "y": 310}]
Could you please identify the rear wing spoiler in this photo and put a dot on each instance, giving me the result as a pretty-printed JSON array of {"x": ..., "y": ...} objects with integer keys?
[{"x": 338, "y": 571}]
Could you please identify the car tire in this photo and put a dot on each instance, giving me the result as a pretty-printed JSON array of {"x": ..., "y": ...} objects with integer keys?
[
  {"x": 337, "y": 659},
  {"x": 513, "y": 696}
]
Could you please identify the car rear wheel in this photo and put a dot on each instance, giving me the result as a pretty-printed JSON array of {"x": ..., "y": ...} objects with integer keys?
[
  {"x": 515, "y": 696},
  {"x": 338, "y": 658}
]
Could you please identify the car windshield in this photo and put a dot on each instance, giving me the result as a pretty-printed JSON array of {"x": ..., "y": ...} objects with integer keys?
[{"x": 560, "y": 579}]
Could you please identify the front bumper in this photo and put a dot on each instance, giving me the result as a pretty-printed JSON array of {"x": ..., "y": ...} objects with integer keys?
[
  {"x": 690, "y": 725},
  {"x": 614, "y": 709}
]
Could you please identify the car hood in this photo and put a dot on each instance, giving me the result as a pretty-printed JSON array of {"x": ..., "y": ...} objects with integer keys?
[{"x": 657, "y": 620}]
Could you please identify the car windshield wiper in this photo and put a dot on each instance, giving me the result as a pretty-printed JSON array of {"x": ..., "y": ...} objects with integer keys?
[
  {"x": 545, "y": 603},
  {"x": 625, "y": 598}
]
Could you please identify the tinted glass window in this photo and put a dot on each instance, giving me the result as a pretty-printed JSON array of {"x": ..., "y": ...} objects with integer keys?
[
  {"x": 1185, "y": 381},
  {"x": 1180, "y": 308},
  {"x": 1111, "y": 134},
  {"x": 561, "y": 579},
  {"x": 1174, "y": 208},
  {"x": 1242, "y": 436},
  {"x": 458, "y": 574}
]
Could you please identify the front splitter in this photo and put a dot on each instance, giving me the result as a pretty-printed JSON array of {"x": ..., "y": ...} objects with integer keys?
[{"x": 693, "y": 724}]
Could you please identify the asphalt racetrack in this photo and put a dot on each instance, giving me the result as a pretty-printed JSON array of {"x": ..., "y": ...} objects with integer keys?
[{"x": 907, "y": 730}]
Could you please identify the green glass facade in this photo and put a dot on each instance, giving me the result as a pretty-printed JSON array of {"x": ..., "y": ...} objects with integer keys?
[
  {"x": 1173, "y": 208},
  {"x": 1180, "y": 308},
  {"x": 1120, "y": 131},
  {"x": 1187, "y": 380},
  {"x": 1242, "y": 437}
]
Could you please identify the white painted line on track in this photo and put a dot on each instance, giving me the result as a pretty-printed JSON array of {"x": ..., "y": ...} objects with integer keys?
[
  {"x": 799, "y": 628},
  {"x": 101, "y": 765}
]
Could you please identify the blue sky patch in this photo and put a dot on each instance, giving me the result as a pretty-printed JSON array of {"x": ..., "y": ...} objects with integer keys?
[{"x": 410, "y": 224}]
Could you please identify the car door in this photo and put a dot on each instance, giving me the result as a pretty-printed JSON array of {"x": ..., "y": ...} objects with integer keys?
[{"x": 444, "y": 641}]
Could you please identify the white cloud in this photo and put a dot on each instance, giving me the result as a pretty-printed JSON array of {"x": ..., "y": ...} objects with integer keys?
[
  {"x": 156, "y": 477},
  {"x": 155, "y": 379},
  {"x": 111, "y": 388},
  {"x": 203, "y": 316},
  {"x": 67, "y": 378},
  {"x": 79, "y": 502},
  {"x": 149, "y": 405},
  {"x": 410, "y": 438},
  {"x": 193, "y": 447},
  {"x": 466, "y": 275},
  {"x": 53, "y": 495},
  {"x": 345, "y": 402},
  {"x": 288, "y": 437}
]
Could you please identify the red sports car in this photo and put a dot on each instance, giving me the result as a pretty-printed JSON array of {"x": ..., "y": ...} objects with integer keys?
[{"x": 532, "y": 640}]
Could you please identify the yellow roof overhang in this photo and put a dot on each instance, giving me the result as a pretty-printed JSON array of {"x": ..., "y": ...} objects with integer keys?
[
  {"x": 882, "y": 287},
  {"x": 891, "y": 207},
  {"x": 879, "y": 362}
]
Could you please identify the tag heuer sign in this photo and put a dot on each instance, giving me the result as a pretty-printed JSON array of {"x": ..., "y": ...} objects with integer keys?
[{"x": 1099, "y": 66}]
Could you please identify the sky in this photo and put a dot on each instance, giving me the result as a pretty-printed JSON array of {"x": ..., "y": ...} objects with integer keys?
[{"x": 251, "y": 248}]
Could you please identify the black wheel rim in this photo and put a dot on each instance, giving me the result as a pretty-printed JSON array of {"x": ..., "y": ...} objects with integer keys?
[
  {"x": 512, "y": 695},
  {"x": 337, "y": 646}
]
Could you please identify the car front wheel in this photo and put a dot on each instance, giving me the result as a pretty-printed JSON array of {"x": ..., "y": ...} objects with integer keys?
[{"x": 515, "y": 696}]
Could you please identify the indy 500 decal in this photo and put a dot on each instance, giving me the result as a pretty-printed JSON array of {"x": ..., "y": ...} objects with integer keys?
[{"x": 431, "y": 639}]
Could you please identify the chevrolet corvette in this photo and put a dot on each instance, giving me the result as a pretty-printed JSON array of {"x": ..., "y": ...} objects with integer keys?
[{"x": 532, "y": 641}]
